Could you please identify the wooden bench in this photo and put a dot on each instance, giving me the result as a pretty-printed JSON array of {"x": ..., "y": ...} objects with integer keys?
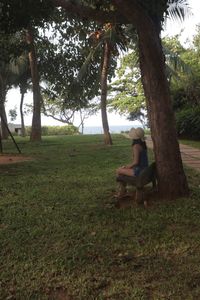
[{"x": 148, "y": 175}]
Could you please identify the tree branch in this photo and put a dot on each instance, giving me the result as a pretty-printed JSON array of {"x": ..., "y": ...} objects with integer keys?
[
  {"x": 64, "y": 119},
  {"x": 60, "y": 119}
]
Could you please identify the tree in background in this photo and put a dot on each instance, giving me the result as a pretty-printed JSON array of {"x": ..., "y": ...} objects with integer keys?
[
  {"x": 24, "y": 86},
  {"x": 185, "y": 88},
  {"x": 36, "y": 132},
  {"x": 27, "y": 15},
  {"x": 61, "y": 56},
  {"x": 126, "y": 95},
  {"x": 13, "y": 63},
  {"x": 107, "y": 42}
]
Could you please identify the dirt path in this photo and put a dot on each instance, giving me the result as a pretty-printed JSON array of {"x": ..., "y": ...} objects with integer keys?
[
  {"x": 11, "y": 159},
  {"x": 190, "y": 156}
]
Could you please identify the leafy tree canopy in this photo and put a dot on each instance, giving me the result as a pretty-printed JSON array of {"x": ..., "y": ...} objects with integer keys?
[
  {"x": 126, "y": 93},
  {"x": 17, "y": 15},
  {"x": 63, "y": 47}
]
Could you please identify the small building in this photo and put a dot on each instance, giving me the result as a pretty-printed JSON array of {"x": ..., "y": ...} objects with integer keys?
[{"x": 15, "y": 128}]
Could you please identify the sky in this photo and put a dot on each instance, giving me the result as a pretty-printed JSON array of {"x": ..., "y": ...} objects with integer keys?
[{"x": 187, "y": 27}]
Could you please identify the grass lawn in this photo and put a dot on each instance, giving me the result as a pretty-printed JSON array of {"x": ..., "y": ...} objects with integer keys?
[{"x": 63, "y": 238}]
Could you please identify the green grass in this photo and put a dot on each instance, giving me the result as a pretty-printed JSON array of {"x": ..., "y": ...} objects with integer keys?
[{"x": 62, "y": 237}]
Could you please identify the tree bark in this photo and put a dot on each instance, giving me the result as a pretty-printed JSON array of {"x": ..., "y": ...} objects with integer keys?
[
  {"x": 104, "y": 75},
  {"x": 22, "y": 114},
  {"x": 4, "y": 122},
  {"x": 3, "y": 117},
  {"x": 36, "y": 131},
  {"x": 172, "y": 181}
]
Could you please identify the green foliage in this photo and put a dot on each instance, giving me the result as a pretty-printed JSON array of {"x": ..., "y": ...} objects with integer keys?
[
  {"x": 114, "y": 36},
  {"x": 62, "y": 236},
  {"x": 11, "y": 46},
  {"x": 56, "y": 130},
  {"x": 17, "y": 15},
  {"x": 196, "y": 40},
  {"x": 188, "y": 123},
  {"x": 13, "y": 58},
  {"x": 13, "y": 114},
  {"x": 175, "y": 65},
  {"x": 61, "y": 56},
  {"x": 185, "y": 88},
  {"x": 126, "y": 93}
]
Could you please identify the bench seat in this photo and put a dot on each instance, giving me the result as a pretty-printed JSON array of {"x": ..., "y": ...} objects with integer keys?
[{"x": 148, "y": 175}]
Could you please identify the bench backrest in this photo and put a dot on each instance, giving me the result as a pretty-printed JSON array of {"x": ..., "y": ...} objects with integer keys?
[{"x": 147, "y": 175}]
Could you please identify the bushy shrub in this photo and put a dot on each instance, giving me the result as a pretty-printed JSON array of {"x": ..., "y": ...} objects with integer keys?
[
  {"x": 188, "y": 123},
  {"x": 56, "y": 130}
]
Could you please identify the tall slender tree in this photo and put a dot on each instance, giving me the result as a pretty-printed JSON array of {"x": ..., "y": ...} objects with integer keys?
[
  {"x": 36, "y": 130},
  {"x": 107, "y": 41}
]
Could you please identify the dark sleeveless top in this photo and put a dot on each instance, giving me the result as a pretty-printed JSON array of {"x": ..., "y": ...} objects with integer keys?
[{"x": 143, "y": 159}]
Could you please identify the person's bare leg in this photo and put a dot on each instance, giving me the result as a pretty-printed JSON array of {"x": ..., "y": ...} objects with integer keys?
[
  {"x": 125, "y": 171},
  {"x": 122, "y": 185}
]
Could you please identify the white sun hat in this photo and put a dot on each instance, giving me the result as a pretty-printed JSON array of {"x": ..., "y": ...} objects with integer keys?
[{"x": 136, "y": 133}]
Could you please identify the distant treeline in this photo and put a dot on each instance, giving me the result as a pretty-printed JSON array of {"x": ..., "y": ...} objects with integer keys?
[{"x": 56, "y": 130}]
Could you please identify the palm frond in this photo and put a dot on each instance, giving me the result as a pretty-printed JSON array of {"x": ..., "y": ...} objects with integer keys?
[
  {"x": 117, "y": 39},
  {"x": 88, "y": 60},
  {"x": 171, "y": 73},
  {"x": 178, "y": 10},
  {"x": 18, "y": 65},
  {"x": 174, "y": 61}
]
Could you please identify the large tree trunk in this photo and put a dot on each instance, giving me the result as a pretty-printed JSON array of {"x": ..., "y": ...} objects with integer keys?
[
  {"x": 3, "y": 117},
  {"x": 172, "y": 182},
  {"x": 36, "y": 120},
  {"x": 171, "y": 178},
  {"x": 22, "y": 114},
  {"x": 104, "y": 75},
  {"x": 4, "y": 122}
]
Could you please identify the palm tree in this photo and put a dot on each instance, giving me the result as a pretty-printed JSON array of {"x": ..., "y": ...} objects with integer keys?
[
  {"x": 22, "y": 81},
  {"x": 110, "y": 40},
  {"x": 24, "y": 86}
]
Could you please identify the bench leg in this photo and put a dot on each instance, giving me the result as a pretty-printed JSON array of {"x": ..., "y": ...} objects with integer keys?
[
  {"x": 139, "y": 196},
  {"x": 122, "y": 189},
  {"x": 154, "y": 184}
]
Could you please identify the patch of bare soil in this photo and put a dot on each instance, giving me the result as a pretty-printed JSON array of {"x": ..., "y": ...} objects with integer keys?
[
  {"x": 11, "y": 159},
  {"x": 59, "y": 294}
]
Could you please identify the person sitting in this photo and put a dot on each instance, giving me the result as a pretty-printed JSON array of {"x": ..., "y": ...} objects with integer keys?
[{"x": 140, "y": 157}]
